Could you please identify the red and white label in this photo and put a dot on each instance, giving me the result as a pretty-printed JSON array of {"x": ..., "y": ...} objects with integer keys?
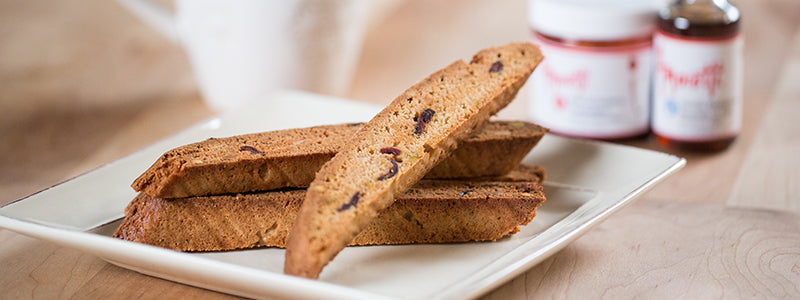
[
  {"x": 592, "y": 92},
  {"x": 697, "y": 92}
]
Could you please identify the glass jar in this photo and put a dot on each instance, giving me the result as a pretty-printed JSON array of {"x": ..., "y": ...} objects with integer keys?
[
  {"x": 595, "y": 79},
  {"x": 697, "y": 103}
]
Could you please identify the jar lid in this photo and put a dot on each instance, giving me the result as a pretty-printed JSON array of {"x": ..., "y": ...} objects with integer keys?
[{"x": 593, "y": 20}]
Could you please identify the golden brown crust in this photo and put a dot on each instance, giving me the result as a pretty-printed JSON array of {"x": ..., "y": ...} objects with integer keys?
[
  {"x": 496, "y": 149},
  {"x": 433, "y": 211},
  {"x": 425, "y": 123},
  {"x": 290, "y": 158}
]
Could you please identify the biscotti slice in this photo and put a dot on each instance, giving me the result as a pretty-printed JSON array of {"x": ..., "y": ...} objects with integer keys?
[
  {"x": 398, "y": 147},
  {"x": 290, "y": 158},
  {"x": 434, "y": 211}
]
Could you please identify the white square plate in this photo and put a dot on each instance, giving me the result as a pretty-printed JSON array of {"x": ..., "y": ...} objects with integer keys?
[{"x": 587, "y": 182}]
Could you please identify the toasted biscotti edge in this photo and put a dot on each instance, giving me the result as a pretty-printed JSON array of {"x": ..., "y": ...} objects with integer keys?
[{"x": 446, "y": 107}]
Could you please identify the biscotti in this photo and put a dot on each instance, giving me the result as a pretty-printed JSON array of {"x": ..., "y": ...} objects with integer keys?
[
  {"x": 398, "y": 147},
  {"x": 290, "y": 158},
  {"x": 433, "y": 211}
]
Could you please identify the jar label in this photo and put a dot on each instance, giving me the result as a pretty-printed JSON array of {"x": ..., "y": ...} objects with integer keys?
[
  {"x": 697, "y": 95},
  {"x": 592, "y": 92}
]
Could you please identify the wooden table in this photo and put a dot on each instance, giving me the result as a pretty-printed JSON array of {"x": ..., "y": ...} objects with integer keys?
[{"x": 83, "y": 83}]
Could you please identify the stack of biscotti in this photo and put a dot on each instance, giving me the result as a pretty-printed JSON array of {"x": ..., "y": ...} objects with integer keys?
[
  {"x": 317, "y": 190},
  {"x": 244, "y": 191}
]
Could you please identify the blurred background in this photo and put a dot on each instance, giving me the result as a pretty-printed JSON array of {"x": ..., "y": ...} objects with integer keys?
[{"x": 85, "y": 82}]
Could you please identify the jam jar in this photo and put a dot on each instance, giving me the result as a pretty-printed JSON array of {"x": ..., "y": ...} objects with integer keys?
[
  {"x": 595, "y": 80},
  {"x": 697, "y": 94}
]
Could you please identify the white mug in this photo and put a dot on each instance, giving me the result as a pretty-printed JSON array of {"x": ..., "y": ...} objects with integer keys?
[{"x": 242, "y": 50}]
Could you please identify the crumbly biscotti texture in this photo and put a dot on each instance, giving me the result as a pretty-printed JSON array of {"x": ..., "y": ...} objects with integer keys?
[
  {"x": 433, "y": 211},
  {"x": 398, "y": 147},
  {"x": 290, "y": 158}
]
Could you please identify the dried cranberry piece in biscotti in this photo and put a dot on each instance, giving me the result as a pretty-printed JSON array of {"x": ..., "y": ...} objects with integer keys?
[
  {"x": 391, "y": 150},
  {"x": 353, "y": 202},
  {"x": 392, "y": 171},
  {"x": 496, "y": 67},
  {"x": 423, "y": 119},
  {"x": 250, "y": 149}
]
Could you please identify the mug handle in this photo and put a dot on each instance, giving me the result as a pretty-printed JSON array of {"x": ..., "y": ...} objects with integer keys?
[{"x": 157, "y": 16}]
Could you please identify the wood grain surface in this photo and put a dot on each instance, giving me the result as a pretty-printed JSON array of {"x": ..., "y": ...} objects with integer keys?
[
  {"x": 83, "y": 83},
  {"x": 689, "y": 251}
]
